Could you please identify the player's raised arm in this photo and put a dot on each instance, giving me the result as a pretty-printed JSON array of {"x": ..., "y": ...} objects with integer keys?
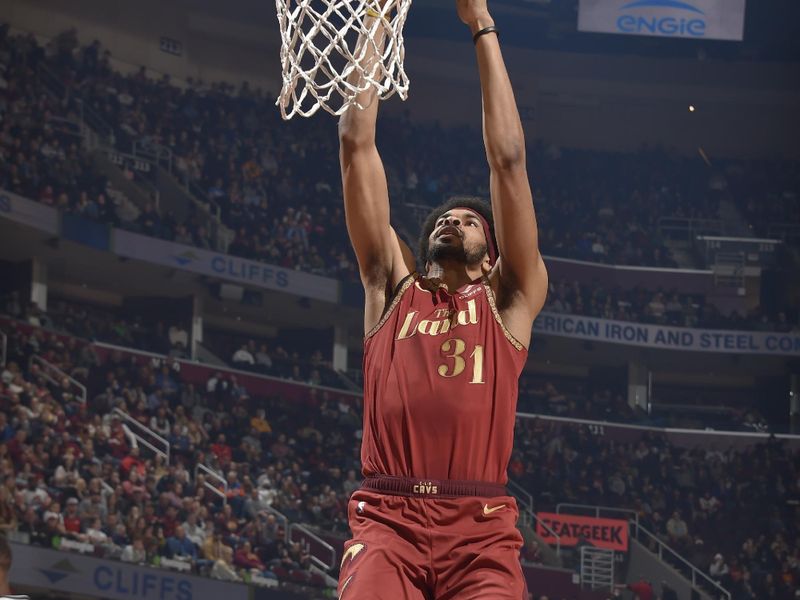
[
  {"x": 521, "y": 269},
  {"x": 383, "y": 258}
]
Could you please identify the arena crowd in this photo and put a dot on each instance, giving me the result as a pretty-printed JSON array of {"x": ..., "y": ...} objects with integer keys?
[
  {"x": 70, "y": 471},
  {"x": 228, "y": 142}
]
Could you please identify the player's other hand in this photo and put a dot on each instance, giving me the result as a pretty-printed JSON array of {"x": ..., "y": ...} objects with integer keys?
[{"x": 474, "y": 14}]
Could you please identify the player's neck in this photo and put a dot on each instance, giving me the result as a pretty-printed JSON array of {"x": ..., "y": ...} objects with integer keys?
[
  {"x": 5, "y": 589},
  {"x": 454, "y": 276}
]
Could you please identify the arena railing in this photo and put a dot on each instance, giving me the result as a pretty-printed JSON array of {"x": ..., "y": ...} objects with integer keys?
[
  {"x": 282, "y": 519},
  {"x": 153, "y": 152},
  {"x": 525, "y": 503},
  {"x": 211, "y": 473},
  {"x": 129, "y": 423},
  {"x": 143, "y": 169},
  {"x": 684, "y": 438},
  {"x": 315, "y": 545},
  {"x": 56, "y": 376},
  {"x": 787, "y": 232},
  {"x": 667, "y": 555},
  {"x": 632, "y": 514},
  {"x": 686, "y": 230},
  {"x": 198, "y": 373},
  {"x": 664, "y": 552}
]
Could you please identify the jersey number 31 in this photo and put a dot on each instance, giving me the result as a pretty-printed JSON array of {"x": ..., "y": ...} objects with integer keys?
[{"x": 454, "y": 350}]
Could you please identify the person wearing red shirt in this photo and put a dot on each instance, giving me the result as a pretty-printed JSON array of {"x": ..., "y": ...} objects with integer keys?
[
  {"x": 222, "y": 450},
  {"x": 447, "y": 334},
  {"x": 247, "y": 559},
  {"x": 72, "y": 522},
  {"x": 642, "y": 589},
  {"x": 132, "y": 461}
]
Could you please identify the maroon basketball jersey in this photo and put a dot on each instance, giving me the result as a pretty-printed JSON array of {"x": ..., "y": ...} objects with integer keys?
[{"x": 440, "y": 386}]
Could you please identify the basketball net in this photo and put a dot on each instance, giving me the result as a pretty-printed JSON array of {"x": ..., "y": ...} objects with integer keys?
[{"x": 320, "y": 51}]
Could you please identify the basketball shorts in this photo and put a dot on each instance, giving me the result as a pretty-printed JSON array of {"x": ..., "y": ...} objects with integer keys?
[{"x": 431, "y": 540}]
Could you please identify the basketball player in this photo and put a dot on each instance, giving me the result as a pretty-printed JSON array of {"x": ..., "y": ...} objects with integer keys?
[{"x": 443, "y": 352}]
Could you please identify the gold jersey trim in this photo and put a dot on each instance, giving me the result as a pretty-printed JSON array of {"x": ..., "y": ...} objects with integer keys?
[
  {"x": 409, "y": 281},
  {"x": 493, "y": 304}
]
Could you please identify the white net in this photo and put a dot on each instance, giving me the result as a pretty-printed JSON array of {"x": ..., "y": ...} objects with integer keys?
[{"x": 320, "y": 50}]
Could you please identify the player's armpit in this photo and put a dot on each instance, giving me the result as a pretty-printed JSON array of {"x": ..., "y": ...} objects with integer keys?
[
  {"x": 519, "y": 309},
  {"x": 521, "y": 268}
]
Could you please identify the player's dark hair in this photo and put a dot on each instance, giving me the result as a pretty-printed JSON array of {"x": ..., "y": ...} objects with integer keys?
[{"x": 481, "y": 207}]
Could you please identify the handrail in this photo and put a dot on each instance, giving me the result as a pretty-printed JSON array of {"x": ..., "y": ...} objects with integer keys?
[
  {"x": 597, "y": 509},
  {"x": 597, "y": 567},
  {"x": 318, "y": 540},
  {"x": 701, "y": 432},
  {"x": 139, "y": 437},
  {"x": 783, "y": 231},
  {"x": 209, "y": 472},
  {"x": 154, "y": 152},
  {"x": 696, "y": 573},
  {"x": 637, "y": 527},
  {"x": 516, "y": 488},
  {"x": 201, "y": 197},
  {"x": 89, "y": 118},
  {"x": 528, "y": 508},
  {"x": 141, "y": 164},
  {"x": 549, "y": 530},
  {"x": 50, "y": 372},
  {"x": 63, "y": 120},
  {"x": 283, "y": 519},
  {"x": 163, "y": 358},
  {"x": 737, "y": 239},
  {"x": 92, "y": 120},
  {"x": 686, "y": 229},
  {"x": 141, "y": 168}
]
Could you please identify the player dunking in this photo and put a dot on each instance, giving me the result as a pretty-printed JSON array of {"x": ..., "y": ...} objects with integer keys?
[{"x": 442, "y": 357}]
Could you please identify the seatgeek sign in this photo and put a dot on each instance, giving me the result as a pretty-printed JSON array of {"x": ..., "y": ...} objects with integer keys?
[
  {"x": 88, "y": 576},
  {"x": 696, "y": 19},
  {"x": 572, "y": 530},
  {"x": 667, "y": 338}
]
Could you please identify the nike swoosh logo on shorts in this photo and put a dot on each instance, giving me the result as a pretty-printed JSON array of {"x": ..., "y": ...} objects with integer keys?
[{"x": 487, "y": 511}]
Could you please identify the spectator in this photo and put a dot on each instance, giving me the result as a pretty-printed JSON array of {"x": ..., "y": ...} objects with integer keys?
[
  {"x": 135, "y": 552},
  {"x": 263, "y": 359},
  {"x": 95, "y": 534},
  {"x": 194, "y": 529},
  {"x": 180, "y": 547},
  {"x": 243, "y": 356},
  {"x": 642, "y": 589},
  {"x": 677, "y": 530},
  {"x": 245, "y": 558},
  {"x": 718, "y": 569},
  {"x": 222, "y": 556}
]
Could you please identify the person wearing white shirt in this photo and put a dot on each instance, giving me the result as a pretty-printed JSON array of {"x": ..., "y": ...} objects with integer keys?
[
  {"x": 195, "y": 530},
  {"x": 243, "y": 356},
  {"x": 134, "y": 552},
  {"x": 718, "y": 568},
  {"x": 95, "y": 534}
]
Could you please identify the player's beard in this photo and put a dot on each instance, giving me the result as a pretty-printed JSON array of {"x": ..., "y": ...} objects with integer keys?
[{"x": 460, "y": 254}]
